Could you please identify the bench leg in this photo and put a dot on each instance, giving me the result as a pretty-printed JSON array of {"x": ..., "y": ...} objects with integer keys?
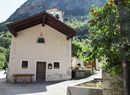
[
  {"x": 31, "y": 79},
  {"x": 15, "y": 79}
]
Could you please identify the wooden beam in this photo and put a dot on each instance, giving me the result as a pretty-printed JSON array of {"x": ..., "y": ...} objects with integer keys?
[
  {"x": 68, "y": 37},
  {"x": 64, "y": 27},
  {"x": 26, "y": 21},
  {"x": 30, "y": 24},
  {"x": 43, "y": 20},
  {"x": 14, "y": 33}
]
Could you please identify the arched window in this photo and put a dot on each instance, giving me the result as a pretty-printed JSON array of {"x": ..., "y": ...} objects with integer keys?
[
  {"x": 57, "y": 16},
  {"x": 40, "y": 40}
]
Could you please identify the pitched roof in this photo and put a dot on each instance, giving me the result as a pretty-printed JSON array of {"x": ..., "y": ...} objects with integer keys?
[{"x": 41, "y": 18}]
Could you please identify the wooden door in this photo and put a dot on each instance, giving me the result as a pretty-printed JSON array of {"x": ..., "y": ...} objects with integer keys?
[{"x": 41, "y": 71}]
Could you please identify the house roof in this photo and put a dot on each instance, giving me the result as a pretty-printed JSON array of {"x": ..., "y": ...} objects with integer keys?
[{"x": 41, "y": 18}]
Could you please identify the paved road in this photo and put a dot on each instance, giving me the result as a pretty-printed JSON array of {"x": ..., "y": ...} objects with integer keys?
[{"x": 46, "y": 88}]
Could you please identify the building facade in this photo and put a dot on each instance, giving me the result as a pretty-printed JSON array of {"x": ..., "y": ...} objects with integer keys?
[{"x": 41, "y": 45}]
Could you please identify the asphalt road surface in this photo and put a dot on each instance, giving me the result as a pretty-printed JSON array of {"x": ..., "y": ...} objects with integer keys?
[{"x": 45, "y": 88}]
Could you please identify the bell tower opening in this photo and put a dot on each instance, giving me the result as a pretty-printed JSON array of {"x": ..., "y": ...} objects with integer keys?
[{"x": 57, "y": 13}]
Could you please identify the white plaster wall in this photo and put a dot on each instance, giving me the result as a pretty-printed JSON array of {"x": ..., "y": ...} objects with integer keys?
[{"x": 55, "y": 49}]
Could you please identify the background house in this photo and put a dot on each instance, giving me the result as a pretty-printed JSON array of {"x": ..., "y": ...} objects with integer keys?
[
  {"x": 41, "y": 46},
  {"x": 94, "y": 64}
]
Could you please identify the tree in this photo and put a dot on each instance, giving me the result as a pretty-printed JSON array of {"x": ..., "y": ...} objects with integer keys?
[
  {"x": 79, "y": 47},
  {"x": 109, "y": 30},
  {"x": 105, "y": 35},
  {"x": 5, "y": 41},
  {"x": 79, "y": 25},
  {"x": 3, "y": 62}
]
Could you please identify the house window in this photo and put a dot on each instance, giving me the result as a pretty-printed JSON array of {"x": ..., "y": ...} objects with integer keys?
[
  {"x": 40, "y": 40},
  {"x": 24, "y": 64},
  {"x": 57, "y": 16},
  {"x": 56, "y": 65},
  {"x": 49, "y": 66}
]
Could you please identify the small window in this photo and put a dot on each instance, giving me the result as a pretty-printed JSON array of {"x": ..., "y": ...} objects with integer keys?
[
  {"x": 49, "y": 66},
  {"x": 40, "y": 40},
  {"x": 56, "y": 65},
  {"x": 24, "y": 64},
  {"x": 57, "y": 16}
]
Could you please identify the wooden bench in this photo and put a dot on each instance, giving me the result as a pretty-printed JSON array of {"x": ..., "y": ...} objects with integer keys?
[{"x": 23, "y": 75}]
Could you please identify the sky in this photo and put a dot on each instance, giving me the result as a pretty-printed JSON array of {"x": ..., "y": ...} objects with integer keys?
[{"x": 8, "y": 7}]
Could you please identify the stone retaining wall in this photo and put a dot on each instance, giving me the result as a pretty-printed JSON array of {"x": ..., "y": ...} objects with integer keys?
[{"x": 111, "y": 85}]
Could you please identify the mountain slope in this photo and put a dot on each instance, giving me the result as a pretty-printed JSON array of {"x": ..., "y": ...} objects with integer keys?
[{"x": 70, "y": 7}]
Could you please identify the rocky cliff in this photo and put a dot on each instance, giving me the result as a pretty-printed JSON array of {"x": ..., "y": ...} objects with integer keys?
[{"x": 70, "y": 7}]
